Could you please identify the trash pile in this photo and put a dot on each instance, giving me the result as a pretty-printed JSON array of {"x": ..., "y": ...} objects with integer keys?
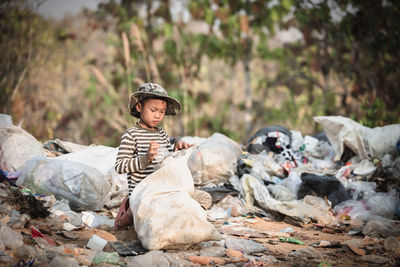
[{"x": 217, "y": 203}]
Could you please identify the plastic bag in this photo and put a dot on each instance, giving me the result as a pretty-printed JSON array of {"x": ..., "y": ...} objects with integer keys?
[
  {"x": 161, "y": 204},
  {"x": 357, "y": 210},
  {"x": 103, "y": 158},
  {"x": 85, "y": 187},
  {"x": 365, "y": 142},
  {"x": 16, "y": 147},
  {"x": 215, "y": 160},
  {"x": 383, "y": 204}
]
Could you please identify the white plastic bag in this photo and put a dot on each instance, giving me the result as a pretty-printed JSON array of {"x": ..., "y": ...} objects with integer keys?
[
  {"x": 85, "y": 187},
  {"x": 215, "y": 160},
  {"x": 103, "y": 159},
  {"x": 16, "y": 147},
  {"x": 165, "y": 216},
  {"x": 367, "y": 143}
]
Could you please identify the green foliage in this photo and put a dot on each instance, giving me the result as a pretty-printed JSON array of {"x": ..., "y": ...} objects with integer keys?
[{"x": 375, "y": 114}]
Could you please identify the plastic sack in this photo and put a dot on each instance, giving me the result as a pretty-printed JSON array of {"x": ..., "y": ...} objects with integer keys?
[
  {"x": 16, "y": 147},
  {"x": 165, "y": 216},
  {"x": 215, "y": 160},
  {"x": 367, "y": 143},
  {"x": 85, "y": 187}
]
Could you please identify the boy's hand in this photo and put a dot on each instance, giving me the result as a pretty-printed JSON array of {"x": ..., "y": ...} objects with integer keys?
[
  {"x": 153, "y": 150},
  {"x": 181, "y": 145}
]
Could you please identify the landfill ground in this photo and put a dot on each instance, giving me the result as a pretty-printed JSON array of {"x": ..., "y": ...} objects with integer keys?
[
  {"x": 322, "y": 246},
  {"x": 281, "y": 200}
]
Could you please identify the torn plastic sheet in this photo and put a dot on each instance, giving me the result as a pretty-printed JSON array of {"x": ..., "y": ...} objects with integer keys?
[{"x": 299, "y": 210}]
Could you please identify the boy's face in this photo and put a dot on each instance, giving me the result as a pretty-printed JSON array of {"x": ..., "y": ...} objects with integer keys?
[{"x": 151, "y": 112}]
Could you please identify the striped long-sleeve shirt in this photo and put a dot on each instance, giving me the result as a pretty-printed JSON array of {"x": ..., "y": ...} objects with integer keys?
[{"x": 132, "y": 153}]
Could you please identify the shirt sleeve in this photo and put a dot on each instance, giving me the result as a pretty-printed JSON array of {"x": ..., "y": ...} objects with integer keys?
[{"x": 128, "y": 160}]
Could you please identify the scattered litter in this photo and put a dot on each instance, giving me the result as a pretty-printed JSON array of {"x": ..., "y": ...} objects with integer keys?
[
  {"x": 96, "y": 242},
  {"x": 106, "y": 258},
  {"x": 291, "y": 240},
  {"x": 132, "y": 248}
]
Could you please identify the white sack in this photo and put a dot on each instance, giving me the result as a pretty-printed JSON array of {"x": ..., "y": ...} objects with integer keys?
[
  {"x": 85, "y": 187},
  {"x": 16, "y": 147},
  {"x": 165, "y": 216},
  {"x": 215, "y": 160},
  {"x": 367, "y": 143}
]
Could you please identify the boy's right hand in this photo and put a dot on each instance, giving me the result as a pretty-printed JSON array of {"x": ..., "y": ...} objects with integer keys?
[{"x": 153, "y": 150}]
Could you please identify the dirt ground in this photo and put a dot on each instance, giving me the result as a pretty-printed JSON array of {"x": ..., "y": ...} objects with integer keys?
[{"x": 266, "y": 232}]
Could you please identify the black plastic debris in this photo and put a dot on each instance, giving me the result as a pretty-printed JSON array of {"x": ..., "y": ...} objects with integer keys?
[
  {"x": 323, "y": 186},
  {"x": 129, "y": 248}
]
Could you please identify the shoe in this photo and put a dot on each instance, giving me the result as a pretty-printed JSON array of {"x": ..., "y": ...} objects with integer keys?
[{"x": 124, "y": 217}]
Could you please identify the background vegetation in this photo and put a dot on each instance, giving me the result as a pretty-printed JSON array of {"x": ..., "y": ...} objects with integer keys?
[{"x": 236, "y": 66}]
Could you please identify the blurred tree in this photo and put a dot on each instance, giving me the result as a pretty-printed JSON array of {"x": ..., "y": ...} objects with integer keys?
[
  {"x": 358, "y": 41},
  {"x": 234, "y": 27},
  {"x": 157, "y": 48},
  {"x": 19, "y": 41}
]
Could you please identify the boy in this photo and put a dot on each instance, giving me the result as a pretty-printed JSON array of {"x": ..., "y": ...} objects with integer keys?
[{"x": 142, "y": 142}]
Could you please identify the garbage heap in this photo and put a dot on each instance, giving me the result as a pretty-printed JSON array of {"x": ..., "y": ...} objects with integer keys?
[{"x": 345, "y": 178}]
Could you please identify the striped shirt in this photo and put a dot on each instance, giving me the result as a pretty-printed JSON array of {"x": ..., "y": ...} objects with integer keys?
[{"x": 132, "y": 153}]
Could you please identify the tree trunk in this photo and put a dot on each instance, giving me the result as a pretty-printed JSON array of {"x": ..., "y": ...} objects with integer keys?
[{"x": 248, "y": 96}]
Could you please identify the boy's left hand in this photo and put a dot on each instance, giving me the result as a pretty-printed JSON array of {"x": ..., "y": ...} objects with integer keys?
[{"x": 179, "y": 145}]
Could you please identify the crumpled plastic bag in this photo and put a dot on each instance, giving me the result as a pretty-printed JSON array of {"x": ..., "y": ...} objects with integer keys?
[
  {"x": 85, "y": 187},
  {"x": 16, "y": 147},
  {"x": 103, "y": 159},
  {"x": 215, "y": 160},
  {"x": 165, "y": 216},
  {"x": 367, "y": 143}
]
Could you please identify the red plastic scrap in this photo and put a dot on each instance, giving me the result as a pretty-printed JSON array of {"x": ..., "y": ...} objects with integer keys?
[{"x": 37, "y": 234}]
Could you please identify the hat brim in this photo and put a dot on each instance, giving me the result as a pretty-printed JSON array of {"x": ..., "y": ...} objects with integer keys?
[{"x": 173, "y": 105}]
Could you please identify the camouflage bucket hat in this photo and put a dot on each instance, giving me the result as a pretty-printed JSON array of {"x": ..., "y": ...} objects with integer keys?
[{"x": 153, "y": 90}]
